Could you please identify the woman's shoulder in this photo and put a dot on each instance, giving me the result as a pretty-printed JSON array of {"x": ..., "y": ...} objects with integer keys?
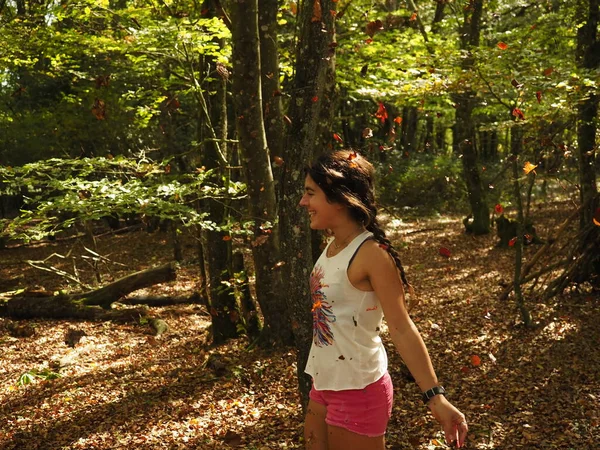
[{"x": 371, "y": 251}]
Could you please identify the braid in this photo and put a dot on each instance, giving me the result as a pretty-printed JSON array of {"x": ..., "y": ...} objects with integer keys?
[{"x": 374, "y": 227}]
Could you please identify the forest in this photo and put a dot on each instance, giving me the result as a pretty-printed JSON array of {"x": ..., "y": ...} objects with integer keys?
[{"x": 154, "y": 259}]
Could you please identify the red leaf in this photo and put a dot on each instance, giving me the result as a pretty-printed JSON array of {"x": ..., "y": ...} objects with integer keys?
[
  {"x": 548, "y": 71},
  {"x": 317, "y": 13},
  {"x": 413, "y": 17},
  {"x": 352, "y": 156},
  {"x": 227, "y": 238},
  {"x": 315, "y": 99},
  {"x": 444, "y": 252},
  {"x": 381, "y": 113},
  {"x": 499, "y": 208},
  {"x": 278, "y": 160},
  {"x": 475, "y": 360},
  {"x": 338, "y": 138},
  {"x": 398, "y": 120},
  {"x": 518, "y": 113},
  {"x": 369, "y": 41},
  {"x": 538, "y": 94},
  {"x": 502, "y": 46},
  {"x": 512, "y": 242}
]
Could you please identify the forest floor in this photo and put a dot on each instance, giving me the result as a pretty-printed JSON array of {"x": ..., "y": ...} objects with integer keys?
[{"x": 121, "y": 388}]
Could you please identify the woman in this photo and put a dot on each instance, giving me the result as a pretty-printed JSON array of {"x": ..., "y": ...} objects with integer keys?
[{"x": 356, "y": 281}]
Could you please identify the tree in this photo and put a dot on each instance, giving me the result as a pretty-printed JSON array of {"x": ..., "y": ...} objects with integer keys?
[
  {"x": 588, "y": 58},
  {"x": 311, "y": 98},
  {"x": 256, "y": 162},
  {"x": 464, "y": 131}
]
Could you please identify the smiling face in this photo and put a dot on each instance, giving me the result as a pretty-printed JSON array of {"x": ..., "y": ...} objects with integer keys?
[{"x": 322, "y": 213}]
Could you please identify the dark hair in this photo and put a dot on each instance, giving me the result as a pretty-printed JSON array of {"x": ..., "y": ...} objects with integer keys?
[{"x": 348, "y": 178}]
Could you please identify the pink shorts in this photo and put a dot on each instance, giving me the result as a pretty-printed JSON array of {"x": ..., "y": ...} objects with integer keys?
[{"x": 362, "y": 411}]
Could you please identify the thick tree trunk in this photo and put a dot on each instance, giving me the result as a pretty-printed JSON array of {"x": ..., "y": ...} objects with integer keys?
[
  {"x": 256, "y": 162},
  {"x": 464, "y": 132},
  {"x": 313, "y": 78},
  {"x": 588, "y": 52},
  {"x": 94, "y": 305}
]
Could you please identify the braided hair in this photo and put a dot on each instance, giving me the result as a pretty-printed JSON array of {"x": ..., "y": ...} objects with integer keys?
[{"x": 348, "y": 178}]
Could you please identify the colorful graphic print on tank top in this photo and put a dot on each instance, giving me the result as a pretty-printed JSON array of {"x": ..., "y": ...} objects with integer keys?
[{"x": 321, "y": 309}]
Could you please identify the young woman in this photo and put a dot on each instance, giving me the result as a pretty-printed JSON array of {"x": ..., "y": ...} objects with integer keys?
[{"x": 356, "y": 281}]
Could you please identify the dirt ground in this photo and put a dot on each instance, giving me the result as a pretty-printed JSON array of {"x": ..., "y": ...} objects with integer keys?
[{"x": 121, "y": 388}]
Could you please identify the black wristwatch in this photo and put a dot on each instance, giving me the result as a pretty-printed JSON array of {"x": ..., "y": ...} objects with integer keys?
[{"x": 430, "y": 393}]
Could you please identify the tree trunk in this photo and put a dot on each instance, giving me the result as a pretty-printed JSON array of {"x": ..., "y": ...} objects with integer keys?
[
  {"x": 516, "y": 144},
  {"x": 94, "y": 305},
  {"x": 269, "y": 60},
  {"x": 216, "y": 245},
  {"x": 256, "y": 162},
  {"x": 464, "y": 132},
  {"x": 313, "y": 76},
  {"x": 588, "y": 52}
]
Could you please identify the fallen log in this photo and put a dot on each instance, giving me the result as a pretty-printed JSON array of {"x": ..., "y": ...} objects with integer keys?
[{"x": 93, "y": 305}]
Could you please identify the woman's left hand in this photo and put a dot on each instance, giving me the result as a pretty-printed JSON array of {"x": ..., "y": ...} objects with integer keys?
[{"x": 452, "y": 420}]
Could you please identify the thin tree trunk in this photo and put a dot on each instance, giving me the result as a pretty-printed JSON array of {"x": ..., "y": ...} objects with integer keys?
[
  {"x": 516, "y": 147},
  {"x": 269, "y": 60}
]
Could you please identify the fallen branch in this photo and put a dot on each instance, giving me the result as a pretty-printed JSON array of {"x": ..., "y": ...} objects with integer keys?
[{"x": 92, "y": 305}]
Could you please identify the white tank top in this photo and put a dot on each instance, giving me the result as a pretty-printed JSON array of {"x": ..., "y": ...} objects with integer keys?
[{"x": 346, "y": 352}]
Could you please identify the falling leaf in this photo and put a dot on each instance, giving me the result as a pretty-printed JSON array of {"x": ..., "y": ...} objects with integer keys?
[
  {"x": 260, "y": 240},
  {"x": 369, "y": 41},
  {"x": 287, "y": 120},
  {"x": 363, "y": 71},
  {"x": 352, "y": 156},
  {"x": 278, "y": 160},
  {"x": 317, "y": 13},
  {"x": 398, "y": 120},
  {"x": 381, "y": 113},
  {"x": 502, "y": 46},
  {"x": 373, "y": 27},
  {"x": 413, "y": 17},
  {"x": 315, "y": 99},
  {"x": 294, "y": 8},
  {"x": 168, "y": 168},
  {"x": 518, "y": 113},
  {"x": 538, "y": 95},
  {"x": 596, "y": 218},
  {"x": 476, "y": 360},
  {"x": 367, "y": 133},
  {"x": 338, "y": 138},
  {"x": 445, "y": 252},
  {"x": 512, "y": 242},
  {"x": 528, "y": 168},
  {"x": 278, "y": 264},
  {"x": 226, "y": 238},
  {"x": 499, "y": 208},
  {"x": 516, "y": 84},
  {"x": 99, "y": 109},
  {"x": 548, "y": 71}
]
